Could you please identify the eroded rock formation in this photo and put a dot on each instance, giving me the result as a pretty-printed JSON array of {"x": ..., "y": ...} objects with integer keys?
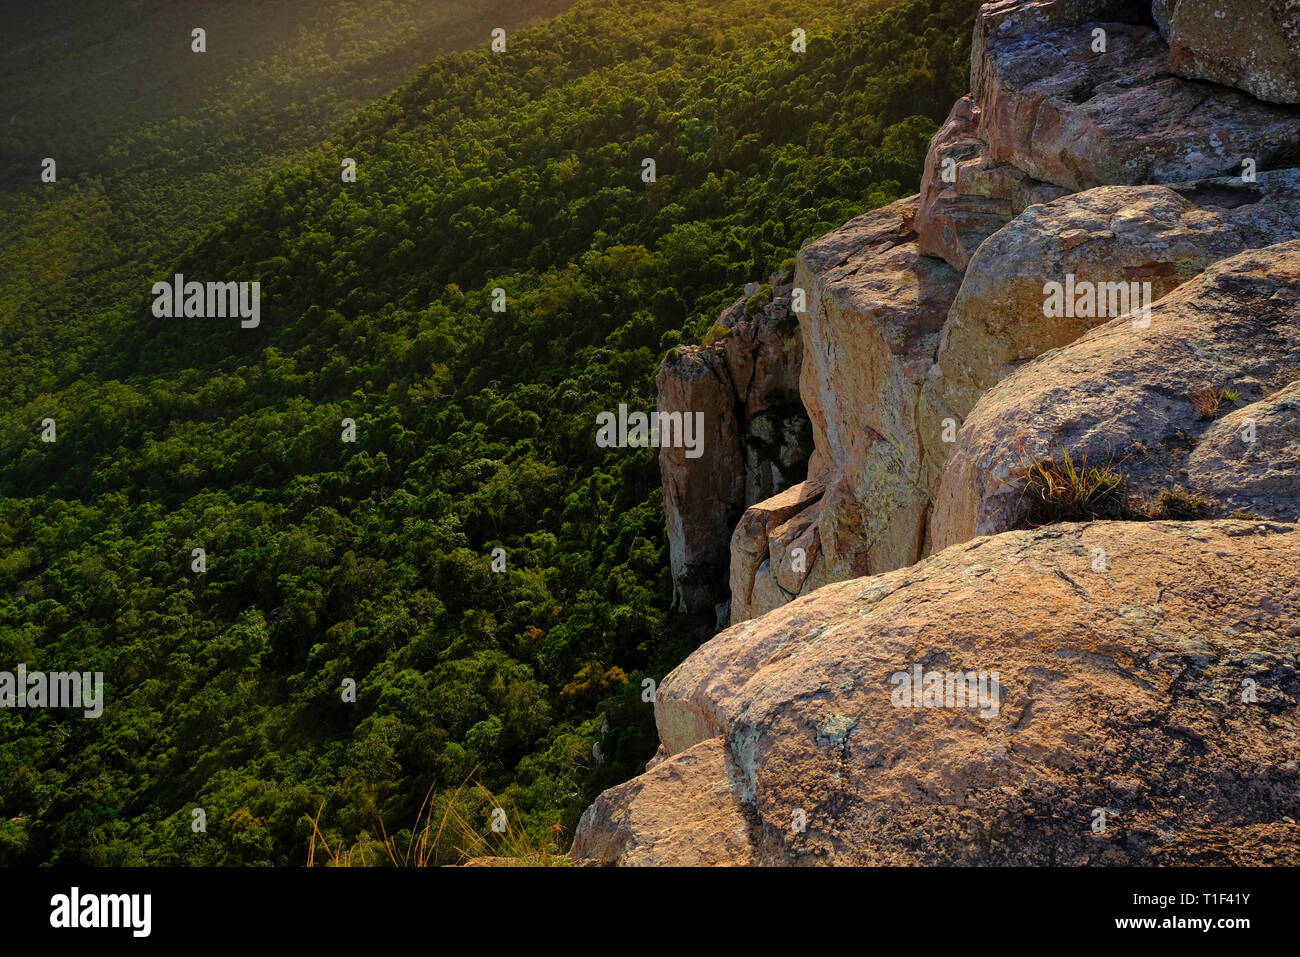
[
  {"x": 1005, "y": 202},
  {"x": 1144, "y": 401},
  {"x": 1142, "y": 157},
  {"x": 756, "y": 443},
  {"x": 1250, "y": 44},
  {"x": 1120, "y": 690}
]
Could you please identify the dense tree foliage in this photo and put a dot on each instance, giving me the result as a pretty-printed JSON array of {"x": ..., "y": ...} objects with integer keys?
[{"x": 372, "y": 560}]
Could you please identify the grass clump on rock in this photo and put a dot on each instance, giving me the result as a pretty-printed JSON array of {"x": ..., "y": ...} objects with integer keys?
[{"x": 1059, "y": 490}]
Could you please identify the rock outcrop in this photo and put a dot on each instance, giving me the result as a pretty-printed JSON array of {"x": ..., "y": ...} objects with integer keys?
[
  {"x": 966, "y": 196},
  {"x": 756, "y": 442},
  {"x": 1109, "y": 250},
  {"x": 875, "y": 306},
  {"x": 1103, "y": 261},
  {"x": 1062, "y": 111},
  {"x": 1147, "y": 711},
  {"x": 1250, "y": 44},
  {"x": 1142, "y": 401},
  {"x": 680, "y": 813}
]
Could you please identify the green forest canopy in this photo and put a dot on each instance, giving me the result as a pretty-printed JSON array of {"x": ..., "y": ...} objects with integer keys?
[{"x": 371, "y": 561}]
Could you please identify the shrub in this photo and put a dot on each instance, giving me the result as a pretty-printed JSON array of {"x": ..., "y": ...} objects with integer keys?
[
  {"x": 1206, "y": 400},
  {"x": 717, "y": 332},
  {"x": 1060, "y": 491},
  {"x": 1180, "y": 505}
]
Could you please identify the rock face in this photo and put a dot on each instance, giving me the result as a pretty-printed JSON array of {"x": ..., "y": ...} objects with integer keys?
[
  {"x": 762, "y": 549},
  {"x": 875, "y": 306},
  {"x": 1065, "y": 114},
  {"x": 680, "y": 813},
  {"x": 1136, "y": 397},
  {"x": 756, "y": 441},
  {"x": 1109, "y": 250},
  {"x": 1250, "y": 44},
  {"x": 1261, "y": 477},
  {"x": 1135, "y": 685},
  {"x": 1051, "y": 112},
  {"x": 965, "y": 195},
  {"x": 1162, "y": 690}
]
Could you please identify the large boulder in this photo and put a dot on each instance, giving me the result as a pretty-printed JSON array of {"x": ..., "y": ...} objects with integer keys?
[
  {"x": 875, "y": 306},
  {"x": 1250, "y": 44},
  {"x": 1109, "y": 250},
  {"x": 1249, "y": 460},
  {"x": 1055, "y": 108},
  {"x": 1145, "y": 712},
  {"x": 757, "y": 438},
  {"x": 680, "y": 813},
  {"x": 965, "y": 195},
  {"x": 1143, "y": 401}
]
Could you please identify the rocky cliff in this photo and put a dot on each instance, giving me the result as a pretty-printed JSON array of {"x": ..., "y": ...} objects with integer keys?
[
  {"x": 745, "y": 380},
  {"x": 1092, "y": 305}
]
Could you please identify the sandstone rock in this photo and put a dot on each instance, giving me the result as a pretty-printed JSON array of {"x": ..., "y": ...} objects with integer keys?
[
  {"x": 750, "y": 544},
  {"x": 701, "y": 495},
  {"x": 757, "y": 438},
  {"x": 680, "y": 813},
  {"x": 983, "y": 196},
  {"x": 1066, "y": 115},
  {"x": 875, "y": 307},
  {"x": 1250, "y": 44},
  {"x": 1261, "y": 476},
  {"x": 1119, "y": 689},
  {"x": 1103, "y": 238},
  {"x": 1127, "y": 395}
]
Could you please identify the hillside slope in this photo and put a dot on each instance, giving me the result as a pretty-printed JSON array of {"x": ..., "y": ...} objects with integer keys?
[{"x": 329, "y": 561}]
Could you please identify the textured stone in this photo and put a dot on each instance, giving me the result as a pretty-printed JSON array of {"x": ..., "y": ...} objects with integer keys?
[
  {"x": 1119, "y": 234},
  {"x": 680, "y": 813},
  {"x": 1066, "y": 115},
  {"x": 1261, "y": 477},
  {"x": 1126, "y": 396},
  {"x": 757, "y": 438},
  {"x": 1250, "y": 44},
  {"x": 1119, "y": 689},
  {"x": 751, "y": 545},
  {"x": 875, "y": 307},
  {"x": 955, "y": 217},
  {"x": 701, "y": 495}
]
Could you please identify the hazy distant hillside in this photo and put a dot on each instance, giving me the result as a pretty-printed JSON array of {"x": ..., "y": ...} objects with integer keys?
[
  {"x": 154, "y": 142},
  {"x": 329, "y": 561},
  {"x": 103, "y": 84}
]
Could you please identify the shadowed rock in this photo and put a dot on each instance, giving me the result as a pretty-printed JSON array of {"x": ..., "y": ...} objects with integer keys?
[
  {"x": 756, "y": 440},
  {"x": 1250, "y": 44}
]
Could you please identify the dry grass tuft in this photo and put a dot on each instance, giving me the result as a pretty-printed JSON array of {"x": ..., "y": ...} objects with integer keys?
[
  {"x": 450, "y": 836},
  {"x": 1058, "y": 490}
]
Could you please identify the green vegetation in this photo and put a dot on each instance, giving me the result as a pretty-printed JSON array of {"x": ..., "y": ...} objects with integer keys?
[
  {"x": 329, "y": 561},
  {"x": 1180, "y": 505},
  {"x": 1058, "y": 490}
]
